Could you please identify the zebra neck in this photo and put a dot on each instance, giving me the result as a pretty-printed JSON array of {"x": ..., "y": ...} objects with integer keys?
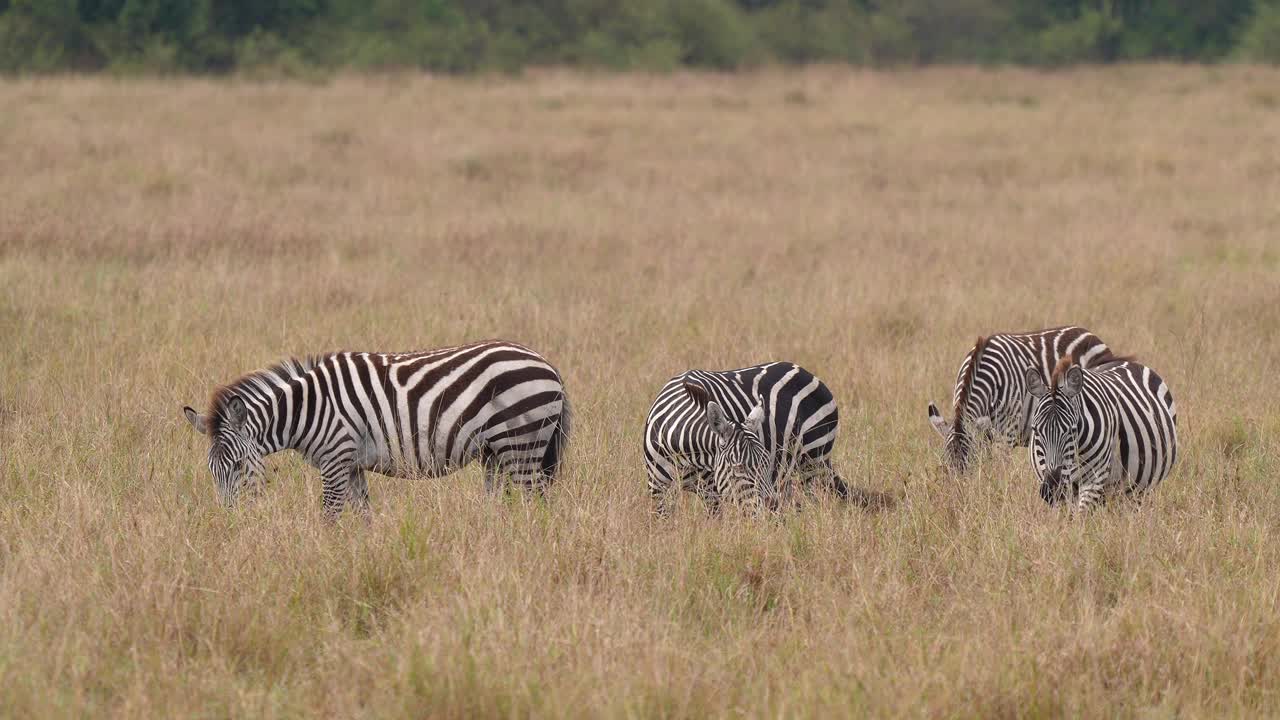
[
  {"x": 264, "y": 435},
  {"x": 1001, "y": 401},
  {"x": 297, "y": 409},
  {"x": 286, "y": 414},
  {"x": 1009, "y": 397},
  {"x": 265, "y": 442}
]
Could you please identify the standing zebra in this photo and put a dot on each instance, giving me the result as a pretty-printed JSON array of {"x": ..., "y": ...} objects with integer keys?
[
  {"x": 741, "y": 434},
  {"x": 1098, "y": 431},
  {"x": 401, "y": 414},
  {"x": 991, "y": 399}
]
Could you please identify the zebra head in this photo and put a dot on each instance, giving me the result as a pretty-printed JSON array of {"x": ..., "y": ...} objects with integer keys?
[
  {"x": 741, "y": 468},
  {"x": 1055, "y": 418},
  {"x": 960, "y": 442},
  {"x": 234, "y": 457}
]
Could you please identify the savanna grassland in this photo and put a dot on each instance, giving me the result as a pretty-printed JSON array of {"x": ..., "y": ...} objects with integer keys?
[{"x": 160, "y": 237}]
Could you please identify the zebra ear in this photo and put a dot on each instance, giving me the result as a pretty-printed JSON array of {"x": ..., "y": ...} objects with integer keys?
[
  {"x": 198, "y": 421},
  {"x": 935, "y": 419},
  {"x": 1035, "y": 383},
  {"x": 1074, "y": 380},
  {"x": 237, "y": 413},
  {"x": 755, "y": 420},
  {"x": 717, "y": 420}
]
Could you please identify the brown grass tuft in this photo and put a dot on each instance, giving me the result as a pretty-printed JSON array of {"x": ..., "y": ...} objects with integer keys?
[{"x": 158, "y": 237}]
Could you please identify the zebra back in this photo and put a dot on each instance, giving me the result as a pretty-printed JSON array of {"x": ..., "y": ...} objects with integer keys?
[
  {"x": 999, "y": 360},
  {"x": 990, "y": 382}
]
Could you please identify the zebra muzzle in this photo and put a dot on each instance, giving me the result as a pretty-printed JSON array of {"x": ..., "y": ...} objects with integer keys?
[{"x": 1051, "y": 487}]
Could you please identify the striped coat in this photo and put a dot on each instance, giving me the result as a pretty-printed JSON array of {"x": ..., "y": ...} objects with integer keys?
[
  {"x": 409, "y": 414},
  {"x": 796, "y": 424},
  {"x": 1101, "y": 431},
  {"x": 991, "y": 400}
]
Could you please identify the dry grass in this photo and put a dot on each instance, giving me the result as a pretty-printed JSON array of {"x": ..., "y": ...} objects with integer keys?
[{"x": 159, "y": 237}]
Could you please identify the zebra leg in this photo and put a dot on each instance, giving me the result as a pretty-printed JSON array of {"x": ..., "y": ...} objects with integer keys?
[
  {"x": 1098, "y": 478},
  {"x": 333, "y": 488},
  {"x": 533, "y": 483},
  {"x": 706, "y": 488},
  {"x": 523, "y": 470},
  {"x": 1090, "y": 494},
  {"x": 358, "y": 489},
  {"x": 494, "y": 480},
  {"x": 531, "y": 479},
  {"x": 661, "y": 501},
  {"x": 336, "y": 476},
  {"x": 839, "y": 486},
  {"x": 1091, "y": 490},
  {"x": 822, "y": 473},
  {"x": 660, "y": 481}
]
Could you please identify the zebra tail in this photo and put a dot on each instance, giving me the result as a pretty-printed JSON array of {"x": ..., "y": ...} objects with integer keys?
[
  {"x": 865, "y": 499},
  {"x": 555, "y": 449}
]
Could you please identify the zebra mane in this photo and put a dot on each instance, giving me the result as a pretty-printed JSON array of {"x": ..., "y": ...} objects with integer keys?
[
  {"x": 697, "y": 392},
  {"x": 1106, "y": 356},
  {"x": 966, "y": 385},
  {"x": 1065, "y": 363},
  {"x": 259, "y": 380}
]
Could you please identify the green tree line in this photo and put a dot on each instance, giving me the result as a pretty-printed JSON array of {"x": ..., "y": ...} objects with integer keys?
[{"x": 300, "y": 36}]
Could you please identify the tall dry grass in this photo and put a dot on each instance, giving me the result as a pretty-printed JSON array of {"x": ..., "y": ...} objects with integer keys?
[{"x": 160, "y": 237}]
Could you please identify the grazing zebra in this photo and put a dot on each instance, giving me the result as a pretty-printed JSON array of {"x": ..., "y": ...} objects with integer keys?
[
  {"x": 1101, "y": 430},
  {"x": 400, "y": 414},
  {"x": 741, "y": 434},
  {"x": 991, "y": 399}
]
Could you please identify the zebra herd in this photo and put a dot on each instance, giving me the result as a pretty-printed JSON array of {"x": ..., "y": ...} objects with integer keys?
[{"x": 1098, "y": 425}]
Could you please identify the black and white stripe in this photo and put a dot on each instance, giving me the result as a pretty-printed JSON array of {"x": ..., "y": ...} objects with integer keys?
[
  {"x": 991, "y": 400},
  {"x": 1099, "y": 432},
  {"x": 400, "y": 414},
  {"x": 741, "y": 434}
]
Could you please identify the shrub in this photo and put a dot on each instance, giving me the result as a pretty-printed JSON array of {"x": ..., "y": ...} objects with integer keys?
[
  {"x": 946, "y": 30},
  {"x": 892, "y": 42},
  {"x": 1085, "y": 39},
  {"x": 658, "y": 55},
  {"x": 263, "y": 54},
  {"x": 281, "y": 36},
  {"x": 638, "y": 34},
  {"x": 713, "y": 33},
  {"x": 794, "y": 31},
  {"x": 44, "y": 35},
  {"x": 1261, "y": 39}
]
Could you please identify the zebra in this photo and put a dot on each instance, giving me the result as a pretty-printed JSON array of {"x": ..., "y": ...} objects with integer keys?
[
  {"x": 425, "y": 413},
  {"x": 1096, "y": 431},
  {"x": 991, "y": 399},
  {"x": 740, "y": 434}
]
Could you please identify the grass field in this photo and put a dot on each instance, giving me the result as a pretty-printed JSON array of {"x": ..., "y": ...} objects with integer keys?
[{"x": 160, "y": 237}]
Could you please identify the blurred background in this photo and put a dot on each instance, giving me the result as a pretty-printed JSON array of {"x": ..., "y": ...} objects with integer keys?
[{"x": 298, "y": 37}]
